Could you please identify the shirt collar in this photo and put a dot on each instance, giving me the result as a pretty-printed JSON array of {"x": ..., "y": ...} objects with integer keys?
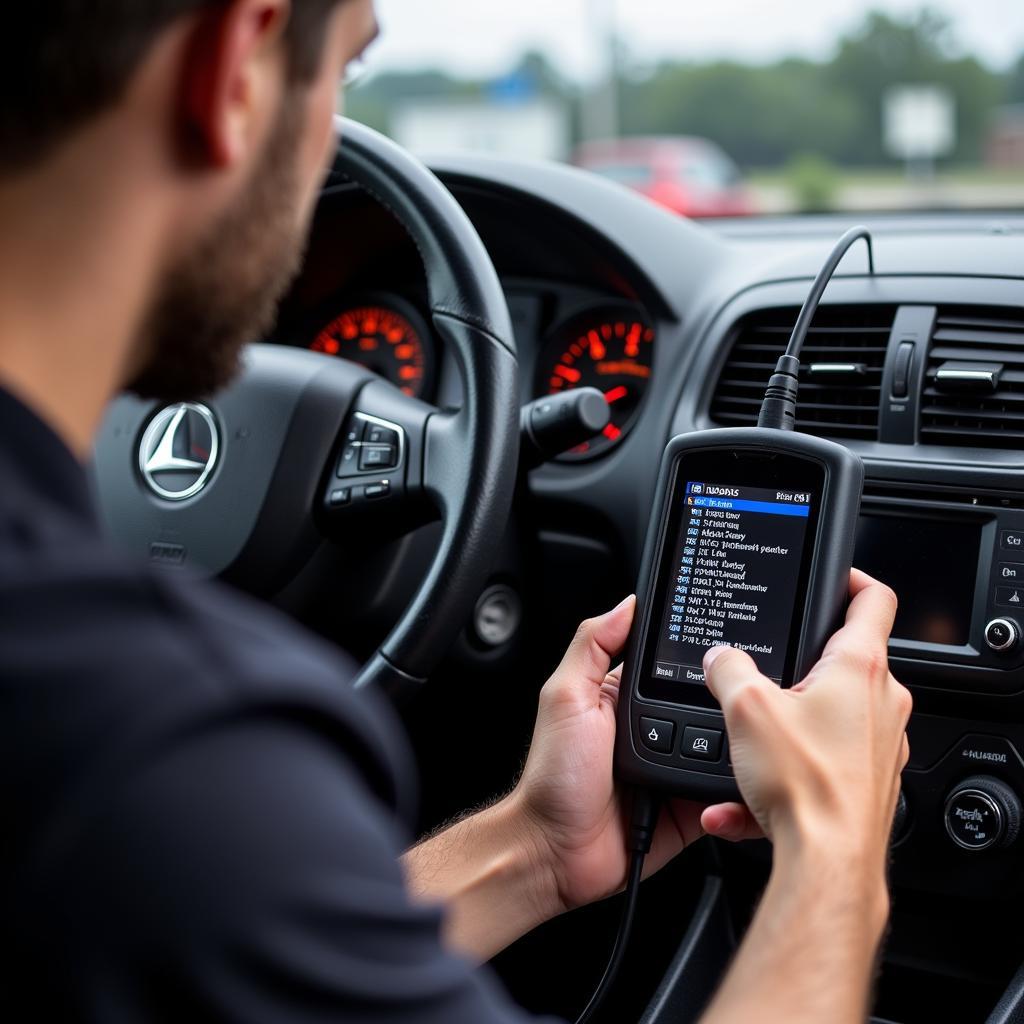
[{"x": 40, "y": 461}]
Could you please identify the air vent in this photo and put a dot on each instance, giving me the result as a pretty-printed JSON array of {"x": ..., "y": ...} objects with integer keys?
[
  {"x": 840, "y": 369},
  {"x": 985, "y": 343}
]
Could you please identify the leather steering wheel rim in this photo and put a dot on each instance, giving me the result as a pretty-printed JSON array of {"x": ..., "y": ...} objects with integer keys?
[{"x": 471, "y": 456}]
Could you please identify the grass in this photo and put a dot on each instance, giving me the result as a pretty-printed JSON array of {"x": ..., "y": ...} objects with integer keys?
[{"x": 882, "y": 177}]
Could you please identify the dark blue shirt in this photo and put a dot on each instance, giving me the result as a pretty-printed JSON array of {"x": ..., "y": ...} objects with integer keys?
[{"x": 200, "y": 820}]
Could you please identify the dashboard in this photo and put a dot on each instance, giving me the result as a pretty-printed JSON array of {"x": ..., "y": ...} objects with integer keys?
[
  {"x": 919, "y": 368},
  {"x": 575, "y": 337}
]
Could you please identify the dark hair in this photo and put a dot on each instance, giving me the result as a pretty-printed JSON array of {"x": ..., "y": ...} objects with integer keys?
[{"x": 63, "y": 62}]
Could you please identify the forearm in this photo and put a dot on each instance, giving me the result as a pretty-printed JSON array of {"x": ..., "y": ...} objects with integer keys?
[
  {"x": 811, "y": 950},
  {"x": 492, "y": 875}
]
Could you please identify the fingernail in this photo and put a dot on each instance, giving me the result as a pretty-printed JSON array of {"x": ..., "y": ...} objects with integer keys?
[
  {"x": 622, "y": 604},
  {"x": 712, "y": 656}
]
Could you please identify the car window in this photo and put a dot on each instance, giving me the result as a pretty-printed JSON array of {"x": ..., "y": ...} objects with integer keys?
[
  {"x": 625, "y": 174},
  {"x": 841, "y": 105},
  {"x": 708, "y": 173}
]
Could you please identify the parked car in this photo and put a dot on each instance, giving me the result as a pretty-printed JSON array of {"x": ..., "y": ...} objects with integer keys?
[{"x": 687, "y": 174}]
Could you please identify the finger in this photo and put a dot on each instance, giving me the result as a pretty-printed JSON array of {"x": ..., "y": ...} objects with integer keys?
[
  {"x": 727, "y": 671},
  {"x": 612, "y": 682},
  {"x": 615, "y": 676},
  {"x": 869, "y": 618},
  {"x": 731, "y": 821},
  {"x": 596, "y": 643},
  {"x": 859, "y": 579}
]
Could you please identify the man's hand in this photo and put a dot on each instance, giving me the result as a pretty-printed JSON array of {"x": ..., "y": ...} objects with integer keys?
[
  {"x": 558, "y": 840},
  {"x": 567, "y": 790},
  {"x": 819, "y": 766},
  {"x": 823, "y": 758}
]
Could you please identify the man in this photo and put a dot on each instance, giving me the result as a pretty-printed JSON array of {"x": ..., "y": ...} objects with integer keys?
[{"x": 197, "y": 821}]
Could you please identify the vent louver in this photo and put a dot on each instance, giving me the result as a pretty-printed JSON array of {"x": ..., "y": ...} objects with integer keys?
[
  {"x": 991, "y": 413},
  {"x": 840, "y": 369}
]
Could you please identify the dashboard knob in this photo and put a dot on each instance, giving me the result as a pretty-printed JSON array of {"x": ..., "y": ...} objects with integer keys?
[
  {"x": 982, "y": 813},
  {"x": 1002, "y": 635}
]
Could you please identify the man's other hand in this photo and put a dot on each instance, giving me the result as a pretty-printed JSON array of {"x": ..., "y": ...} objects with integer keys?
[
  {"x": 821, "y": 762},
  {"x": 567, "y": 792}
]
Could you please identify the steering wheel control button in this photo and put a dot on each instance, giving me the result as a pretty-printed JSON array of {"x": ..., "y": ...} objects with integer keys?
[
  {"x": 375, "y": 433},
  {"x": 702, "y": 744},
  {"x": 374, "y": 492},
  {"x": 349, "y": 461},
  {"x": 371, "y": 445},
  {"x": 1012, "y": 540},
  {"x": 378, "y": 456},
  {"x": 341, "y": 496},
  {"x": 657, "y": 735},
  {"x": 982, "y": 813},
  {"x": 497, "y": 616},
  {"x": 1002, "y": 635}
]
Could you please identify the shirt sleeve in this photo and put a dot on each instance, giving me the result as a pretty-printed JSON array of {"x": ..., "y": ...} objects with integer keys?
[{"x": 247, "y": 875}]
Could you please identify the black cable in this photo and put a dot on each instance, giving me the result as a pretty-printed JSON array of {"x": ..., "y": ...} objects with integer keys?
[
  {"x": 778, "y": 410},
  {"x": 644, "y": 821}
]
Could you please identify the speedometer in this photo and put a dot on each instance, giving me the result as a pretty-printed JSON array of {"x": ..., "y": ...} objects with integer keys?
[
  {"x": 390, "y": 342},
  {"x": 606, "y": 348}
]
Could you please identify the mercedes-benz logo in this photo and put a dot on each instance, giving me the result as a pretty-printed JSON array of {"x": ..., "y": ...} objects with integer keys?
[{"x": 179, "y": 451}]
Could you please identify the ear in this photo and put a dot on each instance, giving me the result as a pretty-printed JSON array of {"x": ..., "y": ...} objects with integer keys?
[{"x": 234, "y": 74}]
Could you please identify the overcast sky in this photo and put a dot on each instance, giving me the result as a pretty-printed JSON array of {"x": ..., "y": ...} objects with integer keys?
[{"x": 485, "y": 36}]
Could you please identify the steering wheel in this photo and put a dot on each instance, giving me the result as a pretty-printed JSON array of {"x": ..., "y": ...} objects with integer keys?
[{"x": 304, "y": 446}]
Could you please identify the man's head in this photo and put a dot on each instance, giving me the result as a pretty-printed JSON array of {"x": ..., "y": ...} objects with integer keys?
[{"x": 236, "y": 99}]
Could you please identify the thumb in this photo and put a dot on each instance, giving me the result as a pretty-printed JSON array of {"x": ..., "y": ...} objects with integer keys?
[
  {"x": 597, "y": 642},
  {"x": 727, "y": 671}
]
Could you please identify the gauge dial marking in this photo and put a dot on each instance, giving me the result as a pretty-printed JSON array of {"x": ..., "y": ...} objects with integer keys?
[
  {"x": 604, "y": 349},
  {"x": 382, "y": 340}
]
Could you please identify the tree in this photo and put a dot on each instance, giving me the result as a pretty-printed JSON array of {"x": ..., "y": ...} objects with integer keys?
[
  {"x": 759, "y": 115},
  {"x": 764, "y": 114},
  {"x": 885, "y": 52}
]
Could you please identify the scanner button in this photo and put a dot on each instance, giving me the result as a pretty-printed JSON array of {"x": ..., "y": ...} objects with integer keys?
[
  {"x": 657, "y": 735},
  {"x": 702, "y": 744}
]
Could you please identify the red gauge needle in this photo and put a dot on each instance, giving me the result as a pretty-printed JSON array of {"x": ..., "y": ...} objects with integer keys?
[{"x": 613, "y": 395}]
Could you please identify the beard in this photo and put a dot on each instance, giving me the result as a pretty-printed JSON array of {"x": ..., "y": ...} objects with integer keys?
[{"x": 225, "y": 291}]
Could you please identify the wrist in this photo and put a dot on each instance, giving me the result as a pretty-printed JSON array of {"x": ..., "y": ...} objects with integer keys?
[
  {"x": 531, "y": 849},
  {"x": 492, "y": 872},
  {"x": 812, "y": 856}
]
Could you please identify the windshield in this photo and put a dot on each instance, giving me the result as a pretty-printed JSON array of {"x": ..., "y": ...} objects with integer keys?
[{"x": 736, "y": 108}]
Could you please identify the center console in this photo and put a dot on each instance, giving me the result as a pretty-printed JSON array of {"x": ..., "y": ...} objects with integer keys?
[{"x": 956, "y": 561}]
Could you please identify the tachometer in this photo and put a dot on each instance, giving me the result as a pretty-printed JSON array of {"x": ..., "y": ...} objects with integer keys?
[
  {"x": 609, "y": 349},
  {"x": 384, "y": 340}
]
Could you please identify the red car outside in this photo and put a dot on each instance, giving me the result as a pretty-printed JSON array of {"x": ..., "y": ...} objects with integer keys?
[{"x": 687, "y": 174}]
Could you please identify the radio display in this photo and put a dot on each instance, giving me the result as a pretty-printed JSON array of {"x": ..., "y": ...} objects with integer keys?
[{"x": 931, "y": 564}]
